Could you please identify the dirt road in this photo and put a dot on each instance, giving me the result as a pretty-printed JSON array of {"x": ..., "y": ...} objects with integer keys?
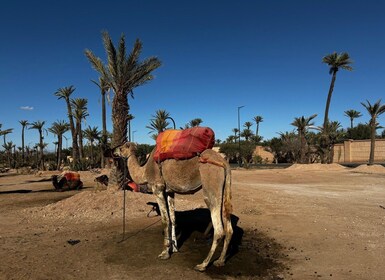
[{"x": 298, "y": 223}]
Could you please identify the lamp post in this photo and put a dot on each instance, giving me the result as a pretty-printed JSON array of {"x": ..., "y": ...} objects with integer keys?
[
  {"x": 133, "y": 133},
  {"x": 239, "y": 136}
]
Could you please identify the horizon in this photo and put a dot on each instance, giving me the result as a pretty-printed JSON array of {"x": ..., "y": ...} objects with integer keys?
[{"x": 215, "y": 57}]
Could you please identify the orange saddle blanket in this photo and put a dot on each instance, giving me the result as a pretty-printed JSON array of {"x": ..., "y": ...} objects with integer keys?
[{"x": 183, "y": 144}]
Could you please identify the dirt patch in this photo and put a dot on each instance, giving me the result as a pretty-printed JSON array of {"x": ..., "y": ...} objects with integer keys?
[
  {"x": 289, "y": 224},
  {"x": 317, "y": 166},
  {"x": 375, "y": 168}
]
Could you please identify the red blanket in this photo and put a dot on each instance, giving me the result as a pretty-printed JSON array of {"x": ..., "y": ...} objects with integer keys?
[{"x": 183, "y": 144}]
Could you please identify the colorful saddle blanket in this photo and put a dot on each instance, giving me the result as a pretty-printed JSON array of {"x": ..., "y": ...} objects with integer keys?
[{"x": 183, "y": 144}]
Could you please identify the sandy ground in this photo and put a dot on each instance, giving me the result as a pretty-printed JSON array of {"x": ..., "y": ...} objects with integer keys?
[{"x": 303, "y": 222}]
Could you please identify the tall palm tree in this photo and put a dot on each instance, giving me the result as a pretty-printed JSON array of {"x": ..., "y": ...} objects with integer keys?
[
  {"x": 374, "y": 111},
  {"x": 122, "y": 73},
  {"x": 158, "y": 123},
  {"x": 335, "y": 62},
  {"x": 257, "y": 119},
  {"x": 24, "y": 124},
  {"x": 59, "y": 128},
  {"x": 92, "y": 134},
  {"x": 79, "y": 109},
  {"x": 104, "y": 88},
  {"x": 38, "y": 125},
  {"x": 65, "y": 93},
  {"x": 303, "y": 124},
  {"x": 352, "y": 114}
]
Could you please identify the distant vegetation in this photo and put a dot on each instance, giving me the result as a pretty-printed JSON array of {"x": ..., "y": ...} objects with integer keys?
[{"x": 123, "y": 72}]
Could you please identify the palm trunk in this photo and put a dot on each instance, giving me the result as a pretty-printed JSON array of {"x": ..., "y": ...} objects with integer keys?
[
  {"x": 92, "y": 153},
  {"x": 41, "y": 156},
  {"x": 75, "y": 146},
  {"x": 59, "y": 148},
  {"x": 80, "y": 136},
  {"x": 119, "y": 120},
  {"x": 22, "y": 146},
  {"x": 104, "y": 128},
  {"x": 372, "y": 141},
  {"x": 326, "y": 119}
]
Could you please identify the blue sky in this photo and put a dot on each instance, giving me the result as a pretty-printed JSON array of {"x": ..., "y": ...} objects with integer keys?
[{"x": 216, "y": 56}]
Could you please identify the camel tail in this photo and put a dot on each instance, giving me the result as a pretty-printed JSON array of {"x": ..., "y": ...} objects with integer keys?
[{"x": 227, "y": 206}]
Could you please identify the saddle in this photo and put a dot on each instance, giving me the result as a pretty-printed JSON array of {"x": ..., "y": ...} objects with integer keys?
[{"x": 183, "y": 144}]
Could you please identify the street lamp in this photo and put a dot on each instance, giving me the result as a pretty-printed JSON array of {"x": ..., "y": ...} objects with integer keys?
[{"x": 239, "y": 136}]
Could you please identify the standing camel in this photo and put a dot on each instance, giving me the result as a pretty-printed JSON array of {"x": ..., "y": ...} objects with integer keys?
[{"x": 208, "y": 171}]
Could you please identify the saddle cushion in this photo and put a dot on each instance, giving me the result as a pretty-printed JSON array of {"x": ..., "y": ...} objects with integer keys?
[{"x": 183, "y": 144}]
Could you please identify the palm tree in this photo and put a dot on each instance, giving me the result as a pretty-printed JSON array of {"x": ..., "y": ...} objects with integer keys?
[
  {"x": 65, "y": 93},
  {"x": 247, "y": 125},
  {"x": 79, "y": 108},
  {"x": 236, "y": 131},
  {"x": 92, "y": 134},
  {"x": 330, "y": 134},
  {"x": 303, "y": 124},
  {"x": 8, "y": 146},
  {"x": 5, "y": 132},
  {"x": 335, "y": 62},
  {"x": 122, "y": 73},
  {"x": 24, "y": 124},
  {"x": 247, "y": 134},
  {"x": 257, "y": 119},
  {"x": 352, "y": 114},
  {"x": 38, "y": 125},
  {"x": 374, "y": 111},
  {"x": 158, "y": 123},
  {"x": 104, "y": 88},
  {"x": 59, "y": 128},
  {"x": 195, "y": 122}
]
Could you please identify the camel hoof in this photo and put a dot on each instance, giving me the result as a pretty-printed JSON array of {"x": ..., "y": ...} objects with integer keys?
[
  {"x": 200, "y": 267},
  {"x": 165, "y": 255},
  {"x": 219, "y": 263}
]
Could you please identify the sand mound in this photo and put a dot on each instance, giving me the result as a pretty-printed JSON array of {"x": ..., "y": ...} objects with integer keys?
[
  {"x": 96, "y": 206},
  {"x": 89, "y": 206},
  {"x": 317, "y": 167},
  {"x": 364, "y": 168}
]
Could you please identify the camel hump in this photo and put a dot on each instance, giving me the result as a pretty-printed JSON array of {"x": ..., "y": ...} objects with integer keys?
[{"x": 183, "y": 144}]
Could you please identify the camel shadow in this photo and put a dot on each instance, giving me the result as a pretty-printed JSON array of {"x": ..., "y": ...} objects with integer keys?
[
  {"x": 199, "y": 221},
  {"x": 251, "y": 253}
]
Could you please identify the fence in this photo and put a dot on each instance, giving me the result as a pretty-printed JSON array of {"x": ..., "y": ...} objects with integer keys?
[{"x": 358, "y": 151}]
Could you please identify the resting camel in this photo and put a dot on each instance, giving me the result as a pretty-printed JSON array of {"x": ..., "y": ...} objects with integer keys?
[{"x": 208, "y": 171}]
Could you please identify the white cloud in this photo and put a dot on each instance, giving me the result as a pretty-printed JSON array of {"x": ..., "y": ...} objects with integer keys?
[{"x": 27, "y": 108}]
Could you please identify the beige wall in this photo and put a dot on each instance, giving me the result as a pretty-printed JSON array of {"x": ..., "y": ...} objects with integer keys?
[{"x": 358, "y": 151}]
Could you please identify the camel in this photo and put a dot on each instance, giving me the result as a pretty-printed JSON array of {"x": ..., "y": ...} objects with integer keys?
[
  {"x": 209, "y": 171},
  {"x": 67, "y": 180}
]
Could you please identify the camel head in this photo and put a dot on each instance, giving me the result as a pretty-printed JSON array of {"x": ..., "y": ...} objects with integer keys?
[{"x": 126, "y": 150}]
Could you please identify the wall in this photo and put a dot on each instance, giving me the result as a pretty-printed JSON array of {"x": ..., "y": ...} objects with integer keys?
[{"x": 358, "y": 151}]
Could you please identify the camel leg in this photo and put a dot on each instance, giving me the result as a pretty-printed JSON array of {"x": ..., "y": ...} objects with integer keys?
[
  {"x": 228, "y": 234},
  {"x": 171, "y": 210},
  {"x": 218, "y": 235},
  {"x": 161, "y": 200}
]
